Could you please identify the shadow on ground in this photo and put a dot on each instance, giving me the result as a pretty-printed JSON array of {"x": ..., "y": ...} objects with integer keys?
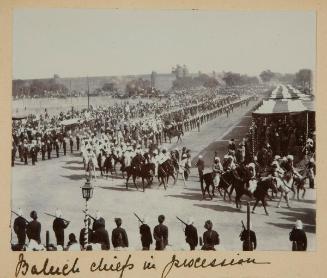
[
  {"x": 218, "y": 207},
  {"x": 73, "y": 168},
  {"x": 306, "y": 215},
  {"x": 74, "y": 162},
  {"x": 75, "y": 177}
]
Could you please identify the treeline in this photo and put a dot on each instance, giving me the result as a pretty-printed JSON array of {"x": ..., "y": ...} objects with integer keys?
[
  {"x": 38, "y": 88},
  {"x": 303, "y": 78}
]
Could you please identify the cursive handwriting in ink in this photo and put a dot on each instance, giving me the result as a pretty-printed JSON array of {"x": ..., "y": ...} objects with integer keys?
[
  {"x": 202, "y": 263},
  {"x": 149, "y": 265},
  {"x": 23, "y": 267},
  {"x": 119, "y": 267}
]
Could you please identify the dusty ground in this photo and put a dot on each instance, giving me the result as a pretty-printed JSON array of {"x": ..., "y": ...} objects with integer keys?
[{"x": 56, "y": 184}]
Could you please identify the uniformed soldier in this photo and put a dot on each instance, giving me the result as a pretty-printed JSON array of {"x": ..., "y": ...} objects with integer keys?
[
  {"x": 56, "y": 145},
  {"x": 59, "y": 226},
  {"x": 20, "y": 225},
  {"x": 146, "y": 236},
  {"x": 160, "y": 234},
  {"x": 77, "y": 142},
  {"x": 64, "y": 145},
  {"x": 100, "y": 234},
  {"x": 249, "y": 241},
  {"x": 119, "y": 237},
  {"x": 298, "y": 237},
  {"x": 210, "y": 237},
  {"x": 33, "y": 229},
  {"x": 71, "y": 143},
  {"x": 25, "y": 152},
  {"x": 98, "y": 222},
  {"x": 49, "y": 149},
  {"x": 191, "y": 234},
  {"x": 33, "y": 154},
  {"x": 43, "y": 150}
]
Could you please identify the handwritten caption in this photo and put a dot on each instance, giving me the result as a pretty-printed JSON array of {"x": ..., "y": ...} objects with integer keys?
[{"x": 122, "y": 266}]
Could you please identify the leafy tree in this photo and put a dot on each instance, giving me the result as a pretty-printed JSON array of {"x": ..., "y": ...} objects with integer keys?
[
  {"x": 267, "y": 75},
  {"x": 303, "y": 78}
]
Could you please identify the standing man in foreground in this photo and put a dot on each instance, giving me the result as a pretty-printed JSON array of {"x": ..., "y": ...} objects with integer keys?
[
  {"x": 59, "y": 226},
  {"x": 298, "y": 237},
  {"x": 191, "y": 234},
  {"x": 160, "y": 234}
]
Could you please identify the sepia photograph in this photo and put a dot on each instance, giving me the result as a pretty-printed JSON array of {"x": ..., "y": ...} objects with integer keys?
[{"x": 163, "y": 130}]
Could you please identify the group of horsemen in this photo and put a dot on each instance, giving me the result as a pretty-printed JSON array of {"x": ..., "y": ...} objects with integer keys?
[{"x": 101, "y": 153}]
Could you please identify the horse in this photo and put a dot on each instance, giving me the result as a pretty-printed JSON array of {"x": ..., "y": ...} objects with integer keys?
[
  {"x": 231, "y": 179},
  {"x": 144, "y": 171},
  {"x": 299, "y": 183},
  {"x": 173, "y": 132},
  {"x": 261, "y": 191},
  {"x": 165, "y": 170},
  {"x": 208, "y": 179},
  {"x": 109, "y": 164}
]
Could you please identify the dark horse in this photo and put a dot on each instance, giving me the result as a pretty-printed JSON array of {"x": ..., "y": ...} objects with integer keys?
[
  {"x": 260, "y": 193},
  {"x": 208, "y": 179},
  {"x": 109, "y": 164},
  {"x": 165, "y": 170},
  {"x": 231, "y": 179},
  {"x": 173, "y": 132},
  {"x": 144, "y": 171}
]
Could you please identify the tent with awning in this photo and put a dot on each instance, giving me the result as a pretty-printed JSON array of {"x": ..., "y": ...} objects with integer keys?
[
  {"x": 17, "y": 117},
  {"x": 288, "y": 92},
  {"x": 283, "y": 106}
]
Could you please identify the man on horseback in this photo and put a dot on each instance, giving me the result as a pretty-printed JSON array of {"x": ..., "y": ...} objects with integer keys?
[
  {"x": 137, "y": 160},
  {"x": 217, "y": 170},
  {"x": 252, "y": 182}
]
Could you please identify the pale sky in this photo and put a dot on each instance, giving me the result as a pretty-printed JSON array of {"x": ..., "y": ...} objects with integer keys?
[{"x": 77, "y": 42}]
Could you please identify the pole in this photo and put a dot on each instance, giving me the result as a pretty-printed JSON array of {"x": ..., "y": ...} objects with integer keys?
[
  {"x": 306, "y": 133},
  {"x": 248, "y": 223},
  {"x": 86, "y": 222},
  {"x": 88, "y": 93},
  {"x": 47, "y": 240}
]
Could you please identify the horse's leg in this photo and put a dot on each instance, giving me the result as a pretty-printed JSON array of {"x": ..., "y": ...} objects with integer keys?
[
  {"x": 303, "y": 192},
  {"x": 287, "y": 201},
  {"x": 127, "y": 178},
  {"x": 280, "y": 199},
  {"x": 143, "y": 184},
  {"x": 164, "y": 183},
  {"x": 264, "y": 205},
  {"x": 219, "y": 191},
  {"x": 255, "y": 205},
  {"x": 298, "y": 191},
  {"x": 134, "y": 179}
]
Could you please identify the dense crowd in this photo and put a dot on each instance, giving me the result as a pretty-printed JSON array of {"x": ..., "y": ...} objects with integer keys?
[
  {"x": 143, "y": 124},
  {"x": 133, "y": 136}
]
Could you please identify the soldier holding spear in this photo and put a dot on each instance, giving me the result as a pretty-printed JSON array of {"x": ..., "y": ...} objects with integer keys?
[
  {"x": 191, "y": 233},
  {"x": 59, "y": 226},
  {"x": 20, "y": 225},
  {"x": 247, "y": 235},
  {"x": 145, "y": 232}
]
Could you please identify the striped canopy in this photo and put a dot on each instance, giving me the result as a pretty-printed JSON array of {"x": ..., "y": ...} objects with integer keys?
[
  {"x": 288, "y": 92},
  {"x": 284, "y": 106}
]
